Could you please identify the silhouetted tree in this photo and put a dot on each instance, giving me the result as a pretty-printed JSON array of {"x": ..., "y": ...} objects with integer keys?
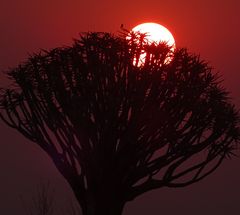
[
  {"x": 115, "y": 130},
  {"x": 42, "y": 202}
]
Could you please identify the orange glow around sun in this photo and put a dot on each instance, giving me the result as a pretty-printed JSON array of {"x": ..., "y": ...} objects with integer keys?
[{"x": 155, "y": 33}]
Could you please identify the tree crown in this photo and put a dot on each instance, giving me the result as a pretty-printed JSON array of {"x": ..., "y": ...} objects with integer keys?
[{"x": 106, "y": 122}]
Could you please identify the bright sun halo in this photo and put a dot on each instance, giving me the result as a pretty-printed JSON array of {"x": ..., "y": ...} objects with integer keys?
[{"x": 155, "y": 33}]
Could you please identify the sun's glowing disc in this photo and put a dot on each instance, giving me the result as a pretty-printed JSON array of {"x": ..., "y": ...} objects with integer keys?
[{"x": 155, "y": 33}]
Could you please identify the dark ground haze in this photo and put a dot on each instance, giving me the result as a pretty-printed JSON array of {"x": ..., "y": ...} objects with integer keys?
[{"x": 209, "y": 27}]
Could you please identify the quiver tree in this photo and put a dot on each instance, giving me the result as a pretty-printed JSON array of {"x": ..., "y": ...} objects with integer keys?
[{"x": 115, "y": 130}]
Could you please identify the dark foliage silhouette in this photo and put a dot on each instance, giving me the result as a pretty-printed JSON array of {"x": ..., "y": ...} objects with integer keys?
[{"x": 115, "y": 130}]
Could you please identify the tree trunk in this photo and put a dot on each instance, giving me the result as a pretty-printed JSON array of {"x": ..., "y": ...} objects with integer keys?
[{"x": 102, "y": 205}]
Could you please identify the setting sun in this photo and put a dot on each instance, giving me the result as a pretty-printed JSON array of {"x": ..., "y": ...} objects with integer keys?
[{"x": 155, "y": 33}]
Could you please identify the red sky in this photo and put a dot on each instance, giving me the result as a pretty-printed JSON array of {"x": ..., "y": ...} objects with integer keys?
[{"x": 210, "y": 28}]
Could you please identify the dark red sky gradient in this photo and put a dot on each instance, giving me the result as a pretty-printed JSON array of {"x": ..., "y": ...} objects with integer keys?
[{"x": 210, "y": 28}]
